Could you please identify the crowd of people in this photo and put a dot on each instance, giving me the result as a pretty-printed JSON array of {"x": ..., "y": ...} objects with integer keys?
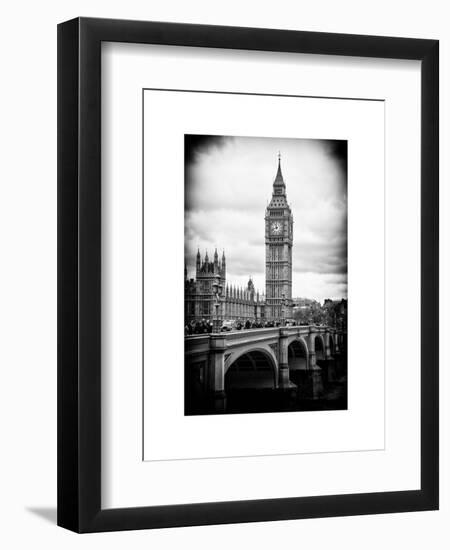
[
  {"x": 198, "y": 327},
  {"x": 206, "y": 326}
]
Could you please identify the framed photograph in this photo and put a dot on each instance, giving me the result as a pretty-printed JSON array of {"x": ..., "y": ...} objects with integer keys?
[{"x": 247, "y": 274}]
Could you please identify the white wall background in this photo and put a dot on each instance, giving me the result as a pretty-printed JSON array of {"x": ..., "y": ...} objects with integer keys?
[{"x": 28, "y": 271}]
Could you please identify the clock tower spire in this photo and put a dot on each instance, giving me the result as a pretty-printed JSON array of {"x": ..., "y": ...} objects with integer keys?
[{"x": 279, "y": 239}]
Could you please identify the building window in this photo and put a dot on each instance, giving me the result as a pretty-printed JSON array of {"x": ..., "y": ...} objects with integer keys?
[{"x": 205, "y": 286}]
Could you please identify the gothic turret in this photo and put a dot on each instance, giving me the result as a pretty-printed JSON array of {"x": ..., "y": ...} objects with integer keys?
[
  {"x": 251, "y": 289},
  {"x": 223, "y": 266},
  {"x": 198, "y": 262},
  {"x": 279, "y": 198}
]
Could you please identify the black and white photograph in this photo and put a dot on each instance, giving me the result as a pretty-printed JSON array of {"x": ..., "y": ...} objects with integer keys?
[{"x": 265, "y": 274}]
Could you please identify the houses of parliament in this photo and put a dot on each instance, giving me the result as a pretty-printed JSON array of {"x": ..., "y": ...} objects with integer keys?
[{"x": 210, "y": 297}]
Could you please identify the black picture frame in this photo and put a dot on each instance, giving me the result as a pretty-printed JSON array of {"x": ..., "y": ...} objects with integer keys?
[{"x": 79, "y": 274}]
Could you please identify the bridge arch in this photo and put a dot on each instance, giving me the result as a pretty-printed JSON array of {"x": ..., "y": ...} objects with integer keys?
[
  {"x": 251, "y": 368},
  {"x": 298, "y": 354},
  {"x": 319, "y": 346}
]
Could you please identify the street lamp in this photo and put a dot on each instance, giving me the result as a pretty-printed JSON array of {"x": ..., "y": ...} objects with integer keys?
[
  {"x": 217, "y": 291},
  {"x": 283, "y": 307}
]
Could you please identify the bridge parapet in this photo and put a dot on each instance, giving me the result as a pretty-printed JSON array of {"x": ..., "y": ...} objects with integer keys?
[{"x": 242, "y": 337}]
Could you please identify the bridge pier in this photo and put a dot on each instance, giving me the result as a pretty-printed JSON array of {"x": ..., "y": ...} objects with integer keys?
[
  {"x": 215, "y": 381},
  {"x": 315, "y": 371},
  {"x": 336, "y": 342},
  {"x": 328, "y": 365},
  {"x": 327, "y": 346},
  {"x": 220, "y": 401},
  {"x": 283, "y": 365}
]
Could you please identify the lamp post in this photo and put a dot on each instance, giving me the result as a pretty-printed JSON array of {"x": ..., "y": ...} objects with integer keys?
[
  {"x": 283, "y": 308},
  {"x": 217, "y": 291}
]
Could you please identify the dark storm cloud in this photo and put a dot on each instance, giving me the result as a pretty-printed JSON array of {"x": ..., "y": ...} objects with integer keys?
[
  {"x": 338, "y": 150},
  {"x": 197, "y": 145}
]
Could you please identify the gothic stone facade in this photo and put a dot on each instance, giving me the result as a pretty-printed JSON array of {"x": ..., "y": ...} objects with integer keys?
[
  {"x": 209, "y": 297},
  {"x": 279, "y": 224}
]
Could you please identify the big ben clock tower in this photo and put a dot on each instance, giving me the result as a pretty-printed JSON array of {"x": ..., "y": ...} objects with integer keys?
[{"x": 279, "y": 238}]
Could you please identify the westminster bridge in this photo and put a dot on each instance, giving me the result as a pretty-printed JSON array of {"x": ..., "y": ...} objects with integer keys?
[{"x": 262, "y": 358}]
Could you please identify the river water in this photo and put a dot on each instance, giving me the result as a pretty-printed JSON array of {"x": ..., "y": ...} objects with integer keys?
[{"x": 324, "y": 388}]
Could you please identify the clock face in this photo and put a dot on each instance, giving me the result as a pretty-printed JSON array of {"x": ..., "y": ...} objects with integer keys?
[{"x": 276, "y": 228}]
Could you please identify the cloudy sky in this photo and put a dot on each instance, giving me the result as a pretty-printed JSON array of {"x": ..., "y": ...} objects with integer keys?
[{"x": 228, "y": 184}]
